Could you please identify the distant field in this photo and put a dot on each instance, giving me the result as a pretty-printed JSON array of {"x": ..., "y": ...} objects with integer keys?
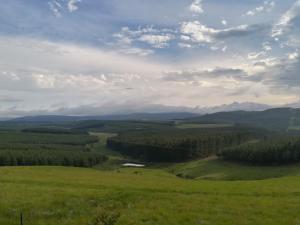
[
  {"x": 297, "y": 128},
  {"x": 216, "y": 169},
  {"x": 115, "y": 159},
  {"x": 197, "y": 125},
  {"x": 74, "y": 196}
]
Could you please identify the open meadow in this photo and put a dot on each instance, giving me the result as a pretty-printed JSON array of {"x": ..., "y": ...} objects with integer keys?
[{"x": 75, "y": 196}]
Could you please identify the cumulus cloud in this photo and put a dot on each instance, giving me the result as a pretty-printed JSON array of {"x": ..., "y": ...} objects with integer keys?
[
  {"x": 157, "y": 41},
  {"x": 72, "y": 5},
  {"x": 184, "y": 45},
  {"x": 127, "y": 39},
  {"x": 201, "y": 33},
  {"x": 196, "y": 7},
  {"x": 198, "y": 32},
  {"x": 266, "y": 76},
  {"x": 287, "y": 20},
  {"x": 293, "y": 55},
  {"x": 266, "y": 7},
  {"x": 224, "y": 22}
]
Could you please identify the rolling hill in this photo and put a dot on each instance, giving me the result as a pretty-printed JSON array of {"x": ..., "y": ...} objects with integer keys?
[{"x": 277, "y": 118}]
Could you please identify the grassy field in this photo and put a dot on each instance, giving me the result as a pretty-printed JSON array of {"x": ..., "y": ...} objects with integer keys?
[
  {"x": 100, "y": 146},
  {"x": 199, "y": 125},
  {"x": 297, "y": 128},
  {"x": 115, "y": 159},
  {"x": 75, "y": 196},
  {"x": 216, "y": 169}
]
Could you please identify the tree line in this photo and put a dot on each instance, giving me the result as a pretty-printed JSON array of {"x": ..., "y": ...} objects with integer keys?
[{"x": 52, "y": 158}]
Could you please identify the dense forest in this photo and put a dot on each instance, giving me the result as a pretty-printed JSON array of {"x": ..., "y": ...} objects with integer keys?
[
  {"x": 225, "y": 134},
  {"x": 275, "y": 150},
  {"x": 47, "y": 148},
  {"x": 179, "y": 145},
  {"x": 49, "y": 157},
  {"x": 54, "y": 130}
]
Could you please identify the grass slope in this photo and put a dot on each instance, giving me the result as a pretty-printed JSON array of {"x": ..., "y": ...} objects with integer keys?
[
  {"x": 216, "y": 169},
  {"x": 274, "y": 119},
  {"x": 199, "y": 125},
  {"x": 73, "y": 196}
]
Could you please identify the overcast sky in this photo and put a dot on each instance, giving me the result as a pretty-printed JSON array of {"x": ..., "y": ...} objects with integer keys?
[{"x": 114, "y": 55}]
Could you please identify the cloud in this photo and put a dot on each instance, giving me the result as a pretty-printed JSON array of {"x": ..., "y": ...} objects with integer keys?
[
  {"x": 72, "y": 5},
  {"x": 47, "y": 73},
  {"x": 136, "y": 51},
  {"x": 127, "y": 39},
  {"x": 118, "y": 53},
  {"x": 266, "y": 46},
  {"x": 26, "y": 53},
  {"x": 200, "y": 33},
  {"x": 224, "y": 22},
  {"x": 285, "y": 74},
  {"x": 196, "y": 7},
  {"x": 184, "y": 45},
  {"x": 266, "y": 7},
  {"x": 105, "y": 109},
  {"x": 58, "y": 7},
  {"x": 281, "y": 75},
  {"x": 190, "y": 75},
  {"x": 255, "y": 55},
  {"x": 157, "y": 41},
  {"x": 9, "y": 99},
  {"x": 293, "y": 55},
  {"x": 287, "y": 21}
]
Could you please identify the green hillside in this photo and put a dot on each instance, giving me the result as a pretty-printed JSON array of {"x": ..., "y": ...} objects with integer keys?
[{"x": 73, "y": 196}]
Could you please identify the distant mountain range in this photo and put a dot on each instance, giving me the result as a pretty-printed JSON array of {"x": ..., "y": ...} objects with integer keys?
[
  {"x": 148, "y": 112},
  {"x": 235, "y": 106},
  {"x": 275, "y": 119},
  {"x": 134, "y": 116}
]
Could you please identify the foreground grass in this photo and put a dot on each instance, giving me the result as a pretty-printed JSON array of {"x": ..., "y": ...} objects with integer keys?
[{"x": 73, "y": 196}]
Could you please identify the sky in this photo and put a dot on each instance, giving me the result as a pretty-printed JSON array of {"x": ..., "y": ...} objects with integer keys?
[{"x": 97, "y": 57}]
